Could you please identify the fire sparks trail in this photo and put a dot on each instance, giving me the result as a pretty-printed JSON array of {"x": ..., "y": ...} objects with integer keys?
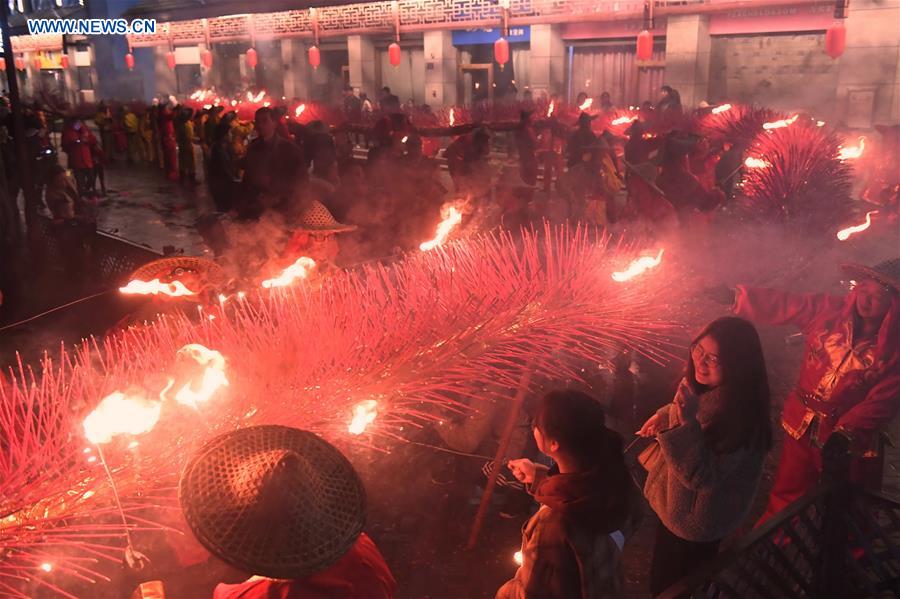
[
  {"x": 154, "y": 287},
  {"x": 721, "y": 109},
  {"x": 450, "y": 217},
  {"x": 119, "y": 414},
  {"x": 586, "y": 104},
  {"x": 299, "y": 110},
  {"x": 753, "y": 162},
  {"x": 624, "y": 120},
  {"x": 363, "y": 415},
  {"x": 781, "y": 123},
  {"x": 298, "y": 270},
  {"x": 852, "y": 152},
  {"x": 452, "y": 118},
  {"x": 637, "y": 267},
  {"x": 550, "y": 109},
  {"x": 844, "y": 234},
  {"x": 213, "y": 378}
]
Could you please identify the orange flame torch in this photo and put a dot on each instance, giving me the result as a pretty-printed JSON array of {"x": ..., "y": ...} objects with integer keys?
[
  {"x": 450, "y": 217},
  {"x": 154, "y": 287},
  {"x": 845, "y": 234},
  {"x": 637, "y": 267}
]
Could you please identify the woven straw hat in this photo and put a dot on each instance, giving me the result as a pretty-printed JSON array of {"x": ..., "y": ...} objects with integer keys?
[
  {"x": 273, "y": 500},
  {"x": 316, "y": 217},
  {"x": 886, "y": 273}
]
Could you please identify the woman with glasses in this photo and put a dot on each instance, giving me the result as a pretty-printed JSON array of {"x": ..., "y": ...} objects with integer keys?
[{"x": 710, "y": 445}]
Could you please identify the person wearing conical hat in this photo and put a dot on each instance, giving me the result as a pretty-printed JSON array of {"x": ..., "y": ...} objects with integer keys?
[
  {"x": 848, "y": 388},
  {"x": 286, "y": 507},
  {"x": 315, "y": 236}
]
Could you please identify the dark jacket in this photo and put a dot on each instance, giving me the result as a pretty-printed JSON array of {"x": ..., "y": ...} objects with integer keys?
[{"x": 272, "y": 172}]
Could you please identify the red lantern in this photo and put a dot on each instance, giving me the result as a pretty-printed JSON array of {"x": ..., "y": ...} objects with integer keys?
[
  {"x": 129, "y": 61},
  {"x": 3, "y": 65},
  {"x": 501, "y": 51},
  {"x": 206, "y": 58},
  {"x": 835, "y": 39},
  {"x": 252, "y": 58},
  {"x": 644, "y": 45},
  {"x": 170, "y": 60},
  {"x": 37, "y": 63},
  {"x": 394, "y": 53},
  {"x": 315, "y": 57},
  {"x": 64, "y": 61},
  {"x": 20, "y": 63}
]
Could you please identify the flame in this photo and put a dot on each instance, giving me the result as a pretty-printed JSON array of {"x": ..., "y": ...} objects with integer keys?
[
  {"x": 119, "y": 414},
  {"x": 452, "y": 118},
  {"x": 852, "y": 152},
  {"x": 550, "y": 109},
  {"x": 780, "y": 124},
  {"x": 405, "y": 137},
  {"x": 298, "y": 270},
  {"x": 154, "y": 287},
  {"x": 753, "y": 162},
  {"x": 844, "y": 234},
  {"x": 363, "y": 415},
  {"x": 586, "y": 104},
  {"x": 721, "y": 109},
  {"x": 47, "y": 567},
  {"x": 234, "y": 102},
  {"x": 624, "y": 120},
  {"x": 207, "y": 106},
  {"x": 649, "y": 136},
  {"x": 820, "y": 123},
  {"x": 450, "y": 217},
  {"x": 517, "y": 557},
  {"x": 212, "y": 380},
  {"x": 299, "y": 110},
  {"x": 637, "y": 267}
]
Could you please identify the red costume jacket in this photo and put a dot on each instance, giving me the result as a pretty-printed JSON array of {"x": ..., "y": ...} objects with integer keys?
[
  {"x": 841, "y": 385},
  {"x": 77, "y": 143},
  {"x": 361, "y": 574}
]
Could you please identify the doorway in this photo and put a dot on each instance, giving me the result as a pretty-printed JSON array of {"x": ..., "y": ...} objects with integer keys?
[{"x": 475, "y": 83}]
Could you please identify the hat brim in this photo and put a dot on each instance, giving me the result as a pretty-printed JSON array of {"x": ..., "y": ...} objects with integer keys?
[
  {"x": 303, "y": 545},
  {"x": 328, "y": 229},
  {"x": 861, "y": 271}
]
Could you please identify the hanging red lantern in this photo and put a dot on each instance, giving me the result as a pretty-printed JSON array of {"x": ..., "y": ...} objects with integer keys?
[
  {"x": 37, "y": 63},
  {"x": 20, "y": 63},
  {"x": 170, "y": 60},
  {"x": 836, "y": 39},
  {"x": 501, "y": 51},
  {"x": 315, "y": 57},
  {"x": 206, "y": 58},
  {"x": 252, "y": 58},
  {"x": 644, "y": 45},
  {"x": 3, "y": 65},
  {"x": 394, "y": 53},
  {"x": 129, "y": 61},
  {"x": 64, "y": 61}
]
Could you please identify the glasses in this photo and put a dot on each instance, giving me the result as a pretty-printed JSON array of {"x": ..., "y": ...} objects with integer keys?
[{"x": 700, "y": 356}]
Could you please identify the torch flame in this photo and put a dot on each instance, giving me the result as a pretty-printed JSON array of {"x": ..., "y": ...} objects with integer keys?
[
  {"x": 844, "y": 234},
  {"x": 550, "y": 109},
  {"x": 721, "y": 109},
  {"x": 517, "y": 557},
  {"x": 623, "y": 120},
  {"x": 852, "y": 152},
  {"x": 363, "y": 415},
  {"x": 119, "y": 414},
  {"x": 586, "y": 104},
  {"x": 298, "y": 270},
  {"x": 753, "y": 162},
  {"x": 780, "y": 124},
  {"x": 450, "y": 217},
  {"x": 637, "y": 267},
  {"x": 452, "y": 118},
  {"x": 154, "y": 287},
  {"x": 213, "y": 378},
  {"x": 299, "y": 110}
]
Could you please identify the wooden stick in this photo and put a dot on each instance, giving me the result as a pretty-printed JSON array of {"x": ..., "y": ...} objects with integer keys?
[{"x": 511, "y": 419}]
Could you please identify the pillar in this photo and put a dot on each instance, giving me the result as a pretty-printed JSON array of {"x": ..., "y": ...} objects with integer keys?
[
  {"x": 441, "y": 68},
  {"x": 363, "y": 73},
  {"x": 548, "y": 60},
  {"x": 868, "y": 90},
  {"x": 687, "y": 57},
  {"x": 296, "y": 69}
]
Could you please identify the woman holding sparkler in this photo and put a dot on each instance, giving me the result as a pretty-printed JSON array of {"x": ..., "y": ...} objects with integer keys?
[
  {"x": 572, "y": 546},
  {"x": 711, "y": 443}
]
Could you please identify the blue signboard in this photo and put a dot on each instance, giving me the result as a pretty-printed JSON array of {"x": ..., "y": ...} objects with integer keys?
[{"x": 470, "y": 37}]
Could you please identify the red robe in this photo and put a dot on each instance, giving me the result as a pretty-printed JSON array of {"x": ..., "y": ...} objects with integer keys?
[
  {"x": 841, "y": 385},
  {"x": 361, "y": 574}
]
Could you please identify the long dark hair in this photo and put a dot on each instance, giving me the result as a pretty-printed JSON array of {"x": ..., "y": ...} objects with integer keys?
[
  {"x": 745, "y": 384},
  {"x": 577, "y": 422}
]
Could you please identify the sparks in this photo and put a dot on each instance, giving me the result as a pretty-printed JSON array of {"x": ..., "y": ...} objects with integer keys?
[
  {"x": 781, "y": 123},
  {"x": 154, "y": 287},
  {"x": 405, "y": 137},
  {"x": 844, "y": 234},
  {"x": 363, "y": 415},
  {"x": 119, "y": 414},
  {"x": 452, "y": 118},
  {"x": 212, "y": 379},
  {"x": 624, "y": 120},
  {"x": 586, "y": 104},
  {"x": 753, "y": 162},
  {"x": 852, "y": 152},
  {"x": 299, "y": 110},
  {"x": 450, "y": 217},
  {"x": 637, "y": 267},
  {"x": 820, "y": 123},
  {"x": 298, "y": 270},
  {"x": 517, "y": 557},
  {"x": 550, "y": 109},
  {"x": 47, "y": 567},
  {"x": 721, "y": 109}
]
